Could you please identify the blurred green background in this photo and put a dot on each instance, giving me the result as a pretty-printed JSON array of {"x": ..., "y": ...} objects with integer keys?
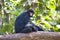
[{"x": 47, "y": 14}]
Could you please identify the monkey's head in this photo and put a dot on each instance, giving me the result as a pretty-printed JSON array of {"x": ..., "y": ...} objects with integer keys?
[{"x": 30, "y": 12}]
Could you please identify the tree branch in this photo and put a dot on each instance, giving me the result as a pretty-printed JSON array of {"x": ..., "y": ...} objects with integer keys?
[{"x": 32, "y": 36}]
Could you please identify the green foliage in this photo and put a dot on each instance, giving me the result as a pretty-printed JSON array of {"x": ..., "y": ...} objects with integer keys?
[{"x": 47, "y": 13}]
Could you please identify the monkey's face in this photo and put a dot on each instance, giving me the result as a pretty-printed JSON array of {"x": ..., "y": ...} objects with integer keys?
[{"x": 31, "y": 14}]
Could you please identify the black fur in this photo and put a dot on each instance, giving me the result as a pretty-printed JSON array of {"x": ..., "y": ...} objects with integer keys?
[{"x": 21, "y": 22}]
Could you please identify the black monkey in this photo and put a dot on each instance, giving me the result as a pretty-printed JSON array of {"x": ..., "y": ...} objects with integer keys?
[{"x": 22, "y": 20}]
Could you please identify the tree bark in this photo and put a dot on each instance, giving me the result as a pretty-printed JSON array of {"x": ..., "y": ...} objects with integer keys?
[{"x": 32, "y": 36}]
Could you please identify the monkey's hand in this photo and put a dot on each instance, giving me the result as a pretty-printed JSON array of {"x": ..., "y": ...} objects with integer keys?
[{"x": 32, "y": 27}]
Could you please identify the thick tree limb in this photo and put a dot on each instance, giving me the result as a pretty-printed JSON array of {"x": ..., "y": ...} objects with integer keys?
[{"x": 32, "y": 36}]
